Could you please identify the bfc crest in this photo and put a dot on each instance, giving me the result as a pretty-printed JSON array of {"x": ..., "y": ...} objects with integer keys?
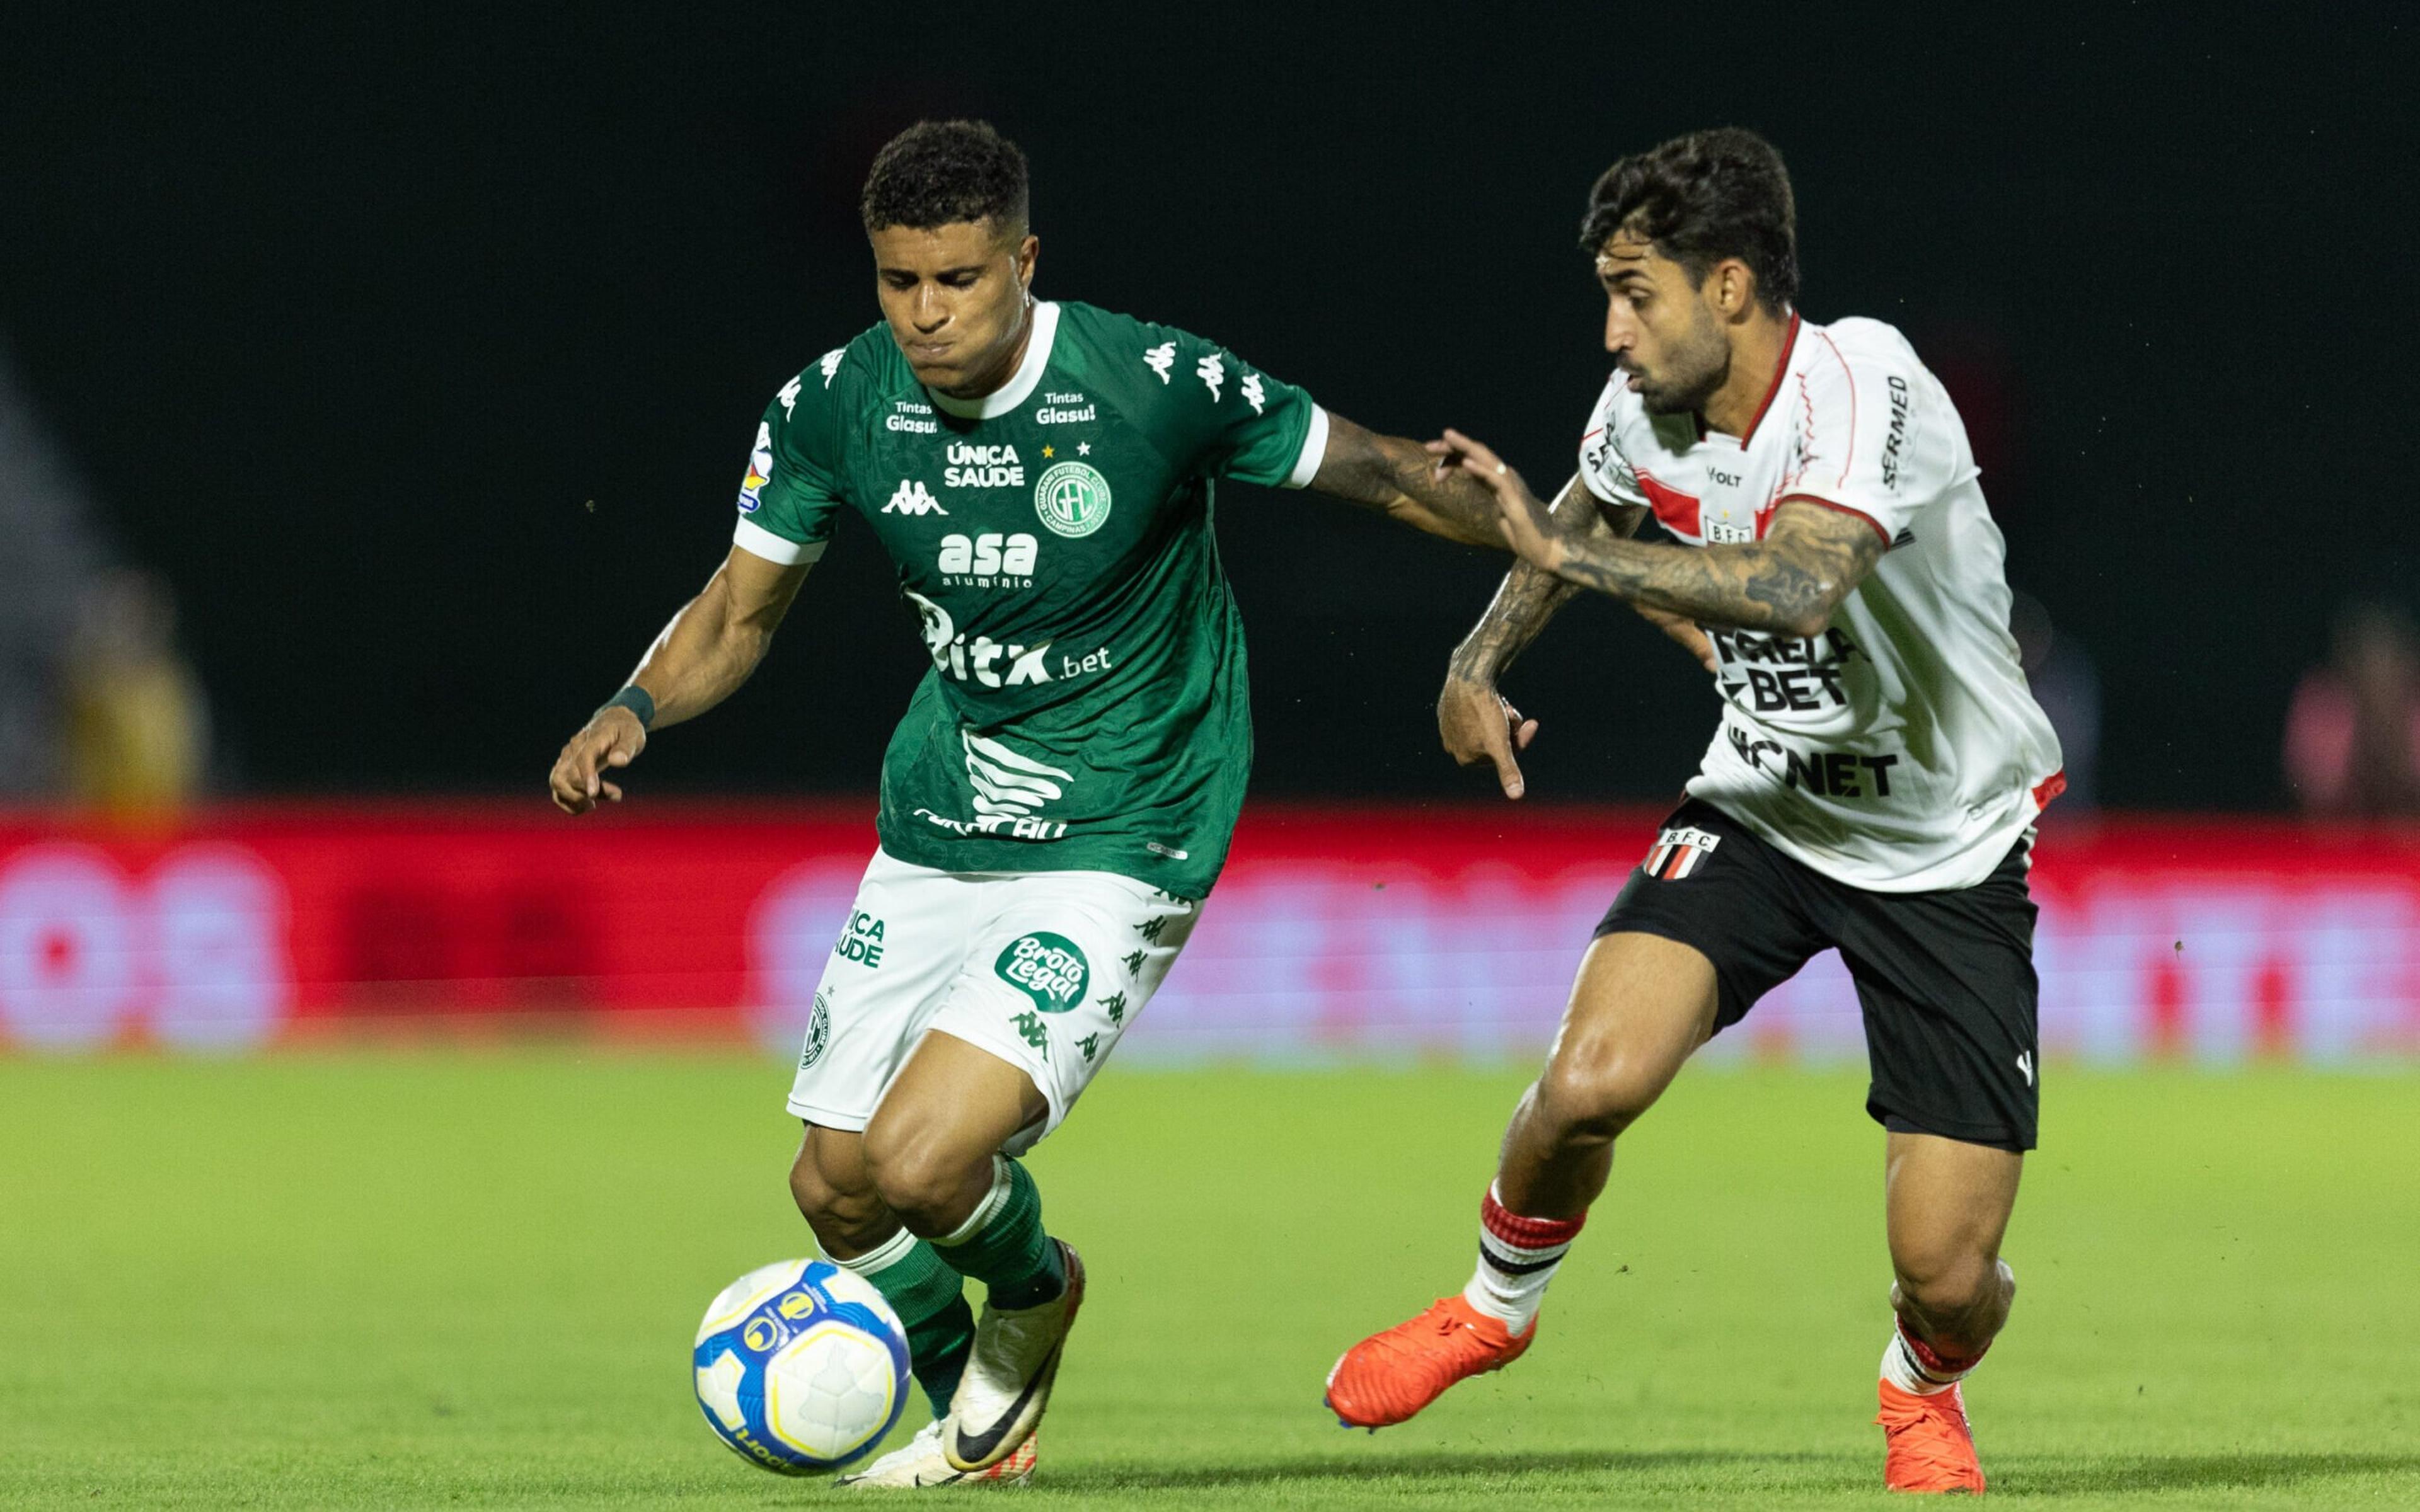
[{"x": 1679, "y": 852}]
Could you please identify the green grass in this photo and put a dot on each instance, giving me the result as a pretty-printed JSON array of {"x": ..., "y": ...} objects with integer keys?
[{"x": 406, "y": 1279}]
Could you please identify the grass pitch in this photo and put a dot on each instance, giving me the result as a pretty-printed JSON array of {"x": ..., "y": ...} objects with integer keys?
[{"x": 406, "y": 1279}]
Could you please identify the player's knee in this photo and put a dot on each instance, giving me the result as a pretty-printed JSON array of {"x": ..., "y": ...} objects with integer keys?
[
  {"x": 1950, "y": 1282},
  {"x": 1596, "y": 1095},
  {"x": 837, "y": 1210},
  {"x": 916, "y": 1176}
]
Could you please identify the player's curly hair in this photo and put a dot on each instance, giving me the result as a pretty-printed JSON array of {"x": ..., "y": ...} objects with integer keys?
[
  {"x": 938, "y": 173},
  {"x": 1701, "y": 198}
]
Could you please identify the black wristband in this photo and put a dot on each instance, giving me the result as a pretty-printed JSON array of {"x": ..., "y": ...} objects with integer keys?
[{"x": 637, "y": 700}]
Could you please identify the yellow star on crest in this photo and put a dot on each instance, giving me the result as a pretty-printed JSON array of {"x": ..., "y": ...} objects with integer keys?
[{"x": 1047, "y": 453}]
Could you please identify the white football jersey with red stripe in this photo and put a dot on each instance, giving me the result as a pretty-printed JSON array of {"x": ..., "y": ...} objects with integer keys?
[{"x": 1900, "y": 749}]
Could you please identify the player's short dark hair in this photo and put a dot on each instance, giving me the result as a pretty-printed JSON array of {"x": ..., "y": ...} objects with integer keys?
[
  {"x": 938, "y": 172},
  {"x": 1704, "y": 198}
]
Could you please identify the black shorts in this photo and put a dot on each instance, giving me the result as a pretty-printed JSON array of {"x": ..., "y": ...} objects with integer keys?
[{"x": 1946, "y": 978}]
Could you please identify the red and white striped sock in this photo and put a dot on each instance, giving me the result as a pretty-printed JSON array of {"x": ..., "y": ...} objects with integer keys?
[
  {"x": 1517, "y": 1257},
  {"x": 1914, "y": 1365}
]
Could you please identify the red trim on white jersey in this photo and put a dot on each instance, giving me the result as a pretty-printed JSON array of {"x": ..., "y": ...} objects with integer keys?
[
  {"x": 1677, "y": 510},
  {"x": 1847, "y": 373},
  {"x": 1780, "y": 371},
  {"x": 2049, "y": 788}
]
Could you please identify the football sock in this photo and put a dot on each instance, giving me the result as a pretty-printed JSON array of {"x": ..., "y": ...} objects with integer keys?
[
  {"x": 931, "y": 1302},
  {"x": 1001, "y": 1244},
  {"x": 1916, "y": 1366},
  {"x": 1517, "y": 1258}
]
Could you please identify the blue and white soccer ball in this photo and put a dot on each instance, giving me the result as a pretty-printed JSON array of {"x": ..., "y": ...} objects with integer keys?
[{"x": 800, "y": 1367}]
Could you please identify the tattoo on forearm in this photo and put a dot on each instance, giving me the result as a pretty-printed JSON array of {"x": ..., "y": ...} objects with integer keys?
[
  {"x": 1386, "y": 472},
  {"x": 1529, "y": 598},
  {"x": 1462, "y": 501},
  {"x": 1783, "y": 582}
]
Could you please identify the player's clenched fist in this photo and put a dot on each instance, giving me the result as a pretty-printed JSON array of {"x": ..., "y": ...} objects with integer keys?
[
  {"x": 609, "y": 741},
  {"x": 1480, "y": 728}
]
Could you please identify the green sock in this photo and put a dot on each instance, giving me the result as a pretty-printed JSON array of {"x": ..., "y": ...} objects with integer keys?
[
  {"x": 930, "y": 1298},
  {"x": 1002, "y": 1244}
]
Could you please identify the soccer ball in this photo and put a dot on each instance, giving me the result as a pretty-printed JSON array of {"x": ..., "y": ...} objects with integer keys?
[{"x": 800, "y": 1367}]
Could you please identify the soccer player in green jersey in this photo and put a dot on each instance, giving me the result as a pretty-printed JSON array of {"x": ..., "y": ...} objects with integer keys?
[{"x": 1057, "y": 802}]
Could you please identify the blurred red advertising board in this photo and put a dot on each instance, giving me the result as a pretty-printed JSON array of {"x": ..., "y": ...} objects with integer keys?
[{"x": 1337, "y": 931}]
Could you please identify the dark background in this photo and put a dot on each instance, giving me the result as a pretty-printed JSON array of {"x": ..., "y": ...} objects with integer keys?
[{"x": 347, "y": 313}]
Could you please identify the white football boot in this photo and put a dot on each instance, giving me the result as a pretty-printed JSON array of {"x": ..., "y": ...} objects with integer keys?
[
  {"x": 1007, "y": 1383},
  {"x": 920, "y": 1462}
]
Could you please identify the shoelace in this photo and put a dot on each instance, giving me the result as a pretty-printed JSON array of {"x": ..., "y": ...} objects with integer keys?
[
  {"x": 1937, "y": 1459},
  {"x": 1932, "y": 1452},
  {"x": 1434, "y": 1320}
]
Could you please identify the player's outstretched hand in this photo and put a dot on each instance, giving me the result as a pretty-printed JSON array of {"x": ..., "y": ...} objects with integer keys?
[
  {"x": 1529, "y": 527},
  {"x": 607, "y": 743},
  {"x": 1480, "y": 729}
]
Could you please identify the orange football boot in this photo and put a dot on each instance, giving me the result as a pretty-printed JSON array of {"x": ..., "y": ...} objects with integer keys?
[
  {"x": 1387, "y": 1376},
  {"x": 1927, "y": 1445}
]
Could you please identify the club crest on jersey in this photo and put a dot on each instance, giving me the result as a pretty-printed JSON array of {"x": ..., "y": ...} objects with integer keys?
[
  {"x": 1679, "y": 851},
  {"x": 1073, "y": 499},
  {"x": 912, "y": 498},
  {"x": 760, "y": 471},
  {"x": 819, "y": 1032}
]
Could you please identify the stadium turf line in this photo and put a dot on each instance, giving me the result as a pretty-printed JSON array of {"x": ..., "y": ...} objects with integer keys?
[{"x": 468, "y": 1278}]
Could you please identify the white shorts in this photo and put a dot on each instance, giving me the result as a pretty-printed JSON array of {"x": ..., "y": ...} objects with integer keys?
[{"x": 1044, "y": 969}]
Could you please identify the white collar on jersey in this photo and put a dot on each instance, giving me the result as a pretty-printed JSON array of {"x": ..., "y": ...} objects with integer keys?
[{"x": 1021, "y": 383}]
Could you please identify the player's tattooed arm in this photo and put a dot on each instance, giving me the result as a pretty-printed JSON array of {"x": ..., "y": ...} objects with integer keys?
[
  {"x": 701, "y": 658},
  {"x": 1530, "y": 595},
  {"x": 1401, "y": 480},
  {"x": 1475, "y": 723},
  {"x": 1788, "y": 583}
]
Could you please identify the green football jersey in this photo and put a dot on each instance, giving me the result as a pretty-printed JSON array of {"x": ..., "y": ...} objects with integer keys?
[{"x": 1087, "y": 708}]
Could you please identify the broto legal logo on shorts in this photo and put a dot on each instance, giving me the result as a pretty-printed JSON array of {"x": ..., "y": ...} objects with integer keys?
[{"x": 1046, "y": 968}]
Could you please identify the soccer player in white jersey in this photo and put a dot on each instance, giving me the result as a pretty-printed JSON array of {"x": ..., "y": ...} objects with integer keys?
[
  {"x": 1058, "y": 800},
  {"x": 1872, "y": 787}
]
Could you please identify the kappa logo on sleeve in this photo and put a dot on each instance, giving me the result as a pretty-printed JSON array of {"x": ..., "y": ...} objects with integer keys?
[
  {"x": 1679, "y": 851},
  {"x": 1047, "y": 967},
  {"x": 1160, "y": 358}
]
